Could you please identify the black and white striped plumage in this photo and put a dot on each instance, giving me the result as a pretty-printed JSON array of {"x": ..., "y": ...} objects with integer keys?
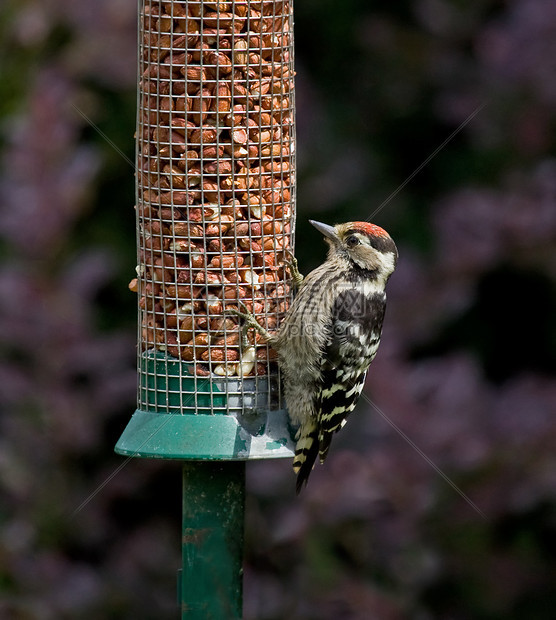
[{"x": 330, "y": 335}]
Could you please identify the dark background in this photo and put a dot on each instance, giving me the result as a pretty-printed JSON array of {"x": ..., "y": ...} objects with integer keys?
[{"x": 464, "y": 382}]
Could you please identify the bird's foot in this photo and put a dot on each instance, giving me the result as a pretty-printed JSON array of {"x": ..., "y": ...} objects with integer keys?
[
  {"x": 291, "y": 264},
  {"x": 249, "y": 322}
]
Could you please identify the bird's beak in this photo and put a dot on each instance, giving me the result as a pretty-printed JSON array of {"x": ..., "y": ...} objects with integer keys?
[{"x": 326, "y": 230}]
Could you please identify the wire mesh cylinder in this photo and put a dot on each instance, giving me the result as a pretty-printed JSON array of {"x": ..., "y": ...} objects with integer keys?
[{"x": 215, "y": 200}]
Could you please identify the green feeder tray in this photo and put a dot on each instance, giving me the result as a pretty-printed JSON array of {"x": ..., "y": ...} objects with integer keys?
[{"x": 183, "y": 416}]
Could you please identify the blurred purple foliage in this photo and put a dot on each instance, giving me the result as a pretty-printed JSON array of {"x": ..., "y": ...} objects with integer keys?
[{"x": 465, "y": 380}]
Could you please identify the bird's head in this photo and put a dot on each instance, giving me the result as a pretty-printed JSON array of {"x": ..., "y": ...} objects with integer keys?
[{"x": 366, "y": 245}]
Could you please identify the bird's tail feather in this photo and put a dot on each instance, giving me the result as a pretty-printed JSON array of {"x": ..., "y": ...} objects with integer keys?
[{"x": 306, "y": 452}]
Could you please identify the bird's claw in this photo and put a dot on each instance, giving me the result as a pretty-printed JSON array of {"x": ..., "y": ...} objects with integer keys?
[
  {"x": 291, "y": 264},
  {"x": 249, "y": 321}
]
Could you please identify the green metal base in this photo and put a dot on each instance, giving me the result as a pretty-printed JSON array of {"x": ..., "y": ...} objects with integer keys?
[
  {"x": 206, "y": 437},
  {"x": 204, "y": 418}
]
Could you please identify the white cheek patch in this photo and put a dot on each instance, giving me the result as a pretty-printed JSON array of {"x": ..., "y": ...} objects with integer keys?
[{"x": 387, "y": 263}]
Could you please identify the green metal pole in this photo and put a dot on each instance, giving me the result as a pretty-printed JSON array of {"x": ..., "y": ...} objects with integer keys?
[{"x": 211, "y": 579}]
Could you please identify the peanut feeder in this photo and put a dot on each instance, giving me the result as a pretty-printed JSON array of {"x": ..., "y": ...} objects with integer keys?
[{"x": 215, "y": 218}]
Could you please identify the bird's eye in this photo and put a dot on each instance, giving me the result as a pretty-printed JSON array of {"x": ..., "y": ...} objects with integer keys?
[{"x": 352, "y": 241}]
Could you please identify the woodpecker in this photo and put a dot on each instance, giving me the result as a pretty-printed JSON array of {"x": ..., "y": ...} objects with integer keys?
[{"x": 330, "y": 335}]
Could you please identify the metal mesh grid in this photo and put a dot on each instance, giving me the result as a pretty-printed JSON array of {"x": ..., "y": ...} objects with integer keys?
[{"x": 215, "y": 199}]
